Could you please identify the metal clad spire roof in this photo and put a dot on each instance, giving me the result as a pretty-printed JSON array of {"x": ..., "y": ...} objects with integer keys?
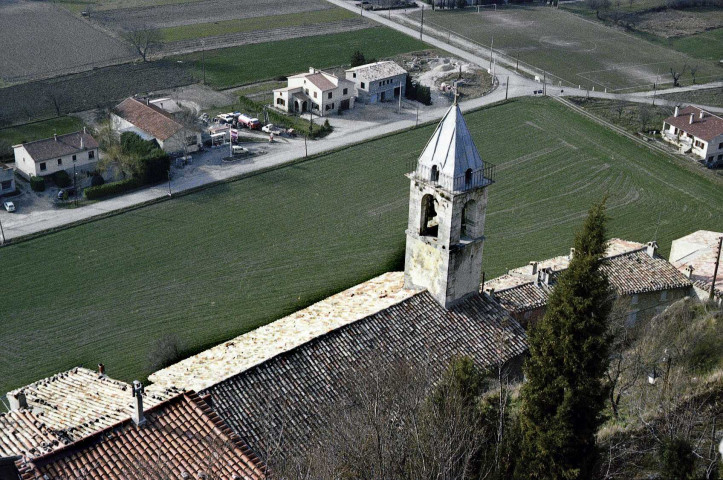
[{"x": 451, "y": 147}]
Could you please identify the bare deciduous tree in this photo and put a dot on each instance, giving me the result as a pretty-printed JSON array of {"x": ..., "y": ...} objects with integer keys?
[
  {"x": 144, "y": 41},
  {"x": 693, "y": 71},
  {"x": 676, "y": 75}
]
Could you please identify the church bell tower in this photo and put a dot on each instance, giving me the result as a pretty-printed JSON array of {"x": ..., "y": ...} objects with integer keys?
[{"x": 447, "y": 203}]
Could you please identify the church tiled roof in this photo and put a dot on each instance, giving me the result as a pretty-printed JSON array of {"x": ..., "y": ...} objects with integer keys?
[
  {"x": 286, "y": 395},
  {"x": 181, "y": 438}
]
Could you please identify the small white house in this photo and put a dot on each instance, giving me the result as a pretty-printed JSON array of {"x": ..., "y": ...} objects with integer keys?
[
  {"x": 317, "y": 91},
  {"x": 77, "y": 151},
  {"x": 697, "y": 131},
  {"x": 150, "y": 121},
  {"x": 7, "y": 179},
  {"x": 378, "y": 82}
]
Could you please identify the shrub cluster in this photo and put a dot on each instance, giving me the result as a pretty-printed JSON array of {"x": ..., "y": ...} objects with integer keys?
[
  {"x": 37, "y": 184},
  {"x": 62, "y": 179},
  {"x": 420, "y": 93},
  {"x": 113, "y": 188}
]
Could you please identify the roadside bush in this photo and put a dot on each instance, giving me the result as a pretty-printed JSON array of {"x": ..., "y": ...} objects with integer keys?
[
  {"x": 357, "y": 59},
  {"x": 153, "y": 163},
  {"x": 37, "y": 184},
  {"x": 110, "y": 189},
  {"x": 62, "y": 179},
  {"x": 165, "y": 352},
  {"x": 415, "y": 91},
  {"x": 96, "y": 181},
  {"x": 132, "y": 143}
]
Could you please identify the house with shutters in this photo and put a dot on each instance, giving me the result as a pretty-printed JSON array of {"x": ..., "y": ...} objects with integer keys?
[
  {"x": 319, "y": 92},
  {"x": 694, "y": 130},
  {"x": 378, "y": 82},
  {"x": 74, "y": 151},
  {"x": 644, "y": 282}
]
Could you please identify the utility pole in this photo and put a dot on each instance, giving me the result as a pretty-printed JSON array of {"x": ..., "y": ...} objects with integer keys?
[
  {"x": 2, "y": 232},
  {"x": 491, "y": 45},
  {"x": 75, "y": 185},
  {"x": 654, "y": 92},
  {"x": 421, "y": 26},
  {"x": 544, "y": 82},
  {"x": 507, "y": 87},
  {"x": 361, "y": 9},
  {"x": 169, "y": 182},
  {"x": 306, "y": 148},
  {"x": 399, "y": 108},
  {"x": 715, "y": 270},
  {"x": 203, "y": 60},
  {"x": 417, "y": 122}
]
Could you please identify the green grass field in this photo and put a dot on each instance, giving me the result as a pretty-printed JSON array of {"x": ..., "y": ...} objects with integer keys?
[
  {"x": 200, "y": 30},
  {"x": 250, "y": 63},
  {"x": 703, "y": 46},
  {"x": 35, "y": 131},
  {"x": 576, "y": 50},
  {"x": 214, "y": 264},
  {"x": 78, "y": 6}
]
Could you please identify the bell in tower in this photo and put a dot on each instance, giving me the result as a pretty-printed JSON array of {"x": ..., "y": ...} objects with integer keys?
[{"x": 447, "y": 203}]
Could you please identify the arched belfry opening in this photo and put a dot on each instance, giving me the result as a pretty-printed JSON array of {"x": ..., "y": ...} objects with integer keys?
[
  {"x": 469, "y": 212},
  {"x": 435, "y": 174},
  {"x": 429, "y": 222},
  {"x": 468, "y": 178}
]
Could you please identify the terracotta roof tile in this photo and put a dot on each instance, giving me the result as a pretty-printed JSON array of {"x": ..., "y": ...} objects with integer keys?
[
  {"x": 79, "y": 401},
  {"x": 706, "y": 128},
  {"x": 286, "y": 393},
  {"x": 22, "y": 433},
  {"x": 699, "y": 250},
  {"x": 149, "y": 118},
  {"x": 321, "y": 81},
  {"x": 178, "y": 436}
]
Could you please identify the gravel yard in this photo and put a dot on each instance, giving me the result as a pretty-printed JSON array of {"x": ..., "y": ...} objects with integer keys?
[
  {"x": 165, "y": 16},
  {"x": 41, "y": 40}
]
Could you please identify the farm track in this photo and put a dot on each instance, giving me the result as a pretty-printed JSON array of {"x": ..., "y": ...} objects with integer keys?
[{"x": 263, "y": 36}]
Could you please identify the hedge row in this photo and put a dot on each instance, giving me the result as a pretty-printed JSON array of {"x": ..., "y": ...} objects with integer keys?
[
  {"x": 113, "y": 188},
  {"x": 37, "y": 184}
]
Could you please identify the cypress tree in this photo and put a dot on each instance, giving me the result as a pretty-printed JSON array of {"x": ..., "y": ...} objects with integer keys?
[{"x": 564, "y": 395}]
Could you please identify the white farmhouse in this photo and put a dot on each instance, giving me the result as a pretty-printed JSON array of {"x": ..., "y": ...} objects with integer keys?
[
  {"x": 697, "y": 131},
  {"x": 317, "y": 91},
  {"x": 77, "y": 151},
  {"x": 378, "y": 82},
  {"x": 152, "y": 122}
]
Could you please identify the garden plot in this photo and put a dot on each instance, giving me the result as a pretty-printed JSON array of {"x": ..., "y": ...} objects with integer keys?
[
  {"x": 208, "y": 11},
  {"x": 40, "y": 40},
  {"x": 570, "y": 49}
]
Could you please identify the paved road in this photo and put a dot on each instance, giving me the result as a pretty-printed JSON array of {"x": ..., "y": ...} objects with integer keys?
[{"x": 346, "y": 133}]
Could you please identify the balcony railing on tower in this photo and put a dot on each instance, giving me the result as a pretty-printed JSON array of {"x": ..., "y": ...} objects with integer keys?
[{"x": 471, "y": 179}]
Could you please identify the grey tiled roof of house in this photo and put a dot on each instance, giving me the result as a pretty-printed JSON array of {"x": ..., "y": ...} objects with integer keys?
[
  {"x": 288, "y": 393},
  {"x": 630, "y": 272},
  {"x": 60, "y": 145}
]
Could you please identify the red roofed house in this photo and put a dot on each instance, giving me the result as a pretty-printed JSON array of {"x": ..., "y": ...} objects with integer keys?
[
  {"x": 178, "y": 438},
  {"x": 318, "y": 91},
  {"x": 151, "y": 122},
  {"x": 697, "y": 131},
  {"x": 77, "y": 150}
]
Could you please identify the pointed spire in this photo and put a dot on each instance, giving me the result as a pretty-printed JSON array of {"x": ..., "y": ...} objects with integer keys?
[{"x": 450, "y": 152}]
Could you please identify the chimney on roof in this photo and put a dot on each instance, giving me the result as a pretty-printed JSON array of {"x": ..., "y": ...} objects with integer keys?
[
  {"x": 692, "y": 116},
  {"x": 312, "y": 70},
  {"x": 545, "y": 275},
  {"x": 55, "y": 136},
  {"x": 533, "y": 268},
  {"x": 675, "y": 114},
  {"x": 491, "y": 293},
  {"x": 147, "y": 100},
  {"x": 82, "y": 142},
  {"x": 702, "y": 114},
  {"x": 84, "y": 130},
  {"x": 101, "y": 369},
  {"x": 689, "y": 271},
  {"x": 17, "y": 400},
  {"x": 137, "y": 414},
  {"x": 572, "y": 253},
  {"x": 651, "y": 248}
]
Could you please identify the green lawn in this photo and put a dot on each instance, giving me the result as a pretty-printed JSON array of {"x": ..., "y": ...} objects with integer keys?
[
  {"x": 200, "y": 30},
  {"x": 573, "y": 49},
  {"x": 705, "y": 46},
  {"x": 36, "y": 131},
  {"x": 250, "y": 63},
  {"x": 214, "y": 264}
]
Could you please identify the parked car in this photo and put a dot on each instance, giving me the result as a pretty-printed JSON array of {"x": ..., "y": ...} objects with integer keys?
[
  {"x": 224, "y": 118},
  {"x": 270, "y": 128},
  {"x": 238, "y": 150},
  {"x": 9, "y": 206}
]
